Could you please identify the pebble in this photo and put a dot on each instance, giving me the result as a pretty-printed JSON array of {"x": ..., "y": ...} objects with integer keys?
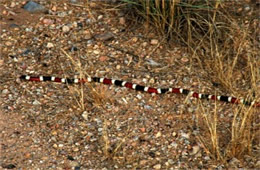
[
  {"x": 76, "y": 149},
  {"x": 87, "y": 35},
  {"x": 118, "y": 67},
  {"x": 8, "y": 43},
  {"x": 105, "y": 36},
  {"x": 9, "y": 166},
  {"x": 195, "y": 150},
  {"x": 50, "y": 45},
  {"x": 12, "y": 4},
  {"x": 154, "y": 42},
  {"x": 174, "y": 134},
  {"x": 152, "y": 62},
  {"x": 122, "y": 20},
  {"x": 139, "y": 96},
  {"x": 74, "y": 163},
  {"x": 54, "y": 8},
  {"x": 85, "y": 115},
  {"x": 247, "y": 8},
  {"x": 74, "y": 1},
  {"x": 159, "y": 134},
  {"x": 103, "y": 58},
  {"x": 134, "y": 39},
  {"x": 96, "y": 52},
  {"x": 157, "y": 166},
  {"x": 47, "y": 21},
  {"x": 152, "y": 81},
  {"x": 65, "y": 28},
  {"x": 36, "y": 102},
  {"x": 234, "y": 163},
  {"x": 100, "y": 17},
  {"x": 144, "y": 44},
  {"x": 185, "y": 135},
  {"x": 32, "y": 6},
  {"x": 142, "y": 129},
  {"x": 184, "y": 59},
  {"x": 5, "y": 91},
  {"x": 143, "y": 162}
]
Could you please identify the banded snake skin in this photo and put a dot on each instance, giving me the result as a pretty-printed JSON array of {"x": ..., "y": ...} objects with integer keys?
[{"x": 107, "y": 81}]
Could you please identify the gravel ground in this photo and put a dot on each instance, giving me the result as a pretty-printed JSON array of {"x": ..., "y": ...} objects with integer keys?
[{"x": 55, "y": 126}]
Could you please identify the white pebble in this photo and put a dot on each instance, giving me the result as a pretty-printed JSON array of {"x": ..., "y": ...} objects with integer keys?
[
  {"x": 49, "y": 45},
  {"x": 158, "y": 166},
  {"x": 154, "y": 41},
  {"x": 159, "y": 134},
  {"x": 85, "y": 115},
  {"x": 65, "y": 28}
]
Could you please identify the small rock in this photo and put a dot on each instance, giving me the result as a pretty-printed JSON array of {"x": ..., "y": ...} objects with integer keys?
[
  {"x": 195, "y": 150},
  {"x": 159, "y": 134},
  {"x": 96, "y": 52},
  {"x": 32, "y": 6},
  {"x": 174, "y": 134},
  {"x": 143, "y": 162},
  {"x": 144, "y": 44},
  {"x": 247, "y": 8},
  {"x": 74, "y": 1},
  {"x": 47, "y": 21},
  {"x": 87, "y": 35},
  {"x": 185, "y": 135},
  {"x": 122, "y": 20},
  {"x": 207, "y": 158},
  {"x": 157, "y": 166},
  {"x": 9, "y": 166},
  {"x": 92, "y": 4},
  {"x": 154, "y": 42},
  {"x": 152, "y": 62},
  {"x": 36, "y": 102},
  {"x": 5, "y": 91},
  {"x": 134, "y": 39},
  {"x": 65, "y": 28},
  {"x": 12, "y": 4},
  {"x": 139, "y": 96},
  {"x": 85, "y": 115},
  {"x": 12, "y": 25},
  {"x": 142, "y": 129},
  {"x": 100, "y": 17},
  {"x": 28, "y": 29},
  {"x": 184, "y": 59},
  {"x": 49, "y": 45},
  {"x": 8, "y": 43},
  {"x": 103, "y": 58},
  {"x": 152, "y": 81},
  {"x": 234, "y": 163},
  {"x": 105, "y": 36},
  {"x": 54, "y": 8},
  {"x": 74, "y": 163},
  {"x": 76, "y": 149},
  {"x": 118, "y": 67}
]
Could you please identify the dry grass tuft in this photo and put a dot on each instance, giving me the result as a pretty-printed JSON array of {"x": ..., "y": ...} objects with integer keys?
[{"x": 97, "y": 96}]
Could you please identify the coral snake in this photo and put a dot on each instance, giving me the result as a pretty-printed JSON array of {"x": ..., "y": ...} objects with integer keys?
[{"x": 137, "y": 87}]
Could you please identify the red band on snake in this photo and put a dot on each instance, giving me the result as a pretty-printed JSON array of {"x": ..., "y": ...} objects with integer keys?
[{"x": 228, "y": 99}]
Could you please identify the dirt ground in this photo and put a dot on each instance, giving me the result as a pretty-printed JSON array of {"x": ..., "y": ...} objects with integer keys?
[{"x": 94, "y": 126}]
